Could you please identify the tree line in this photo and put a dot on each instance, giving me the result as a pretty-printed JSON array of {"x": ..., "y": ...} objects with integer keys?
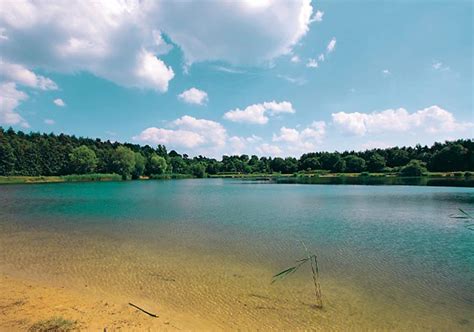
[{"x": 35, "y": 154}]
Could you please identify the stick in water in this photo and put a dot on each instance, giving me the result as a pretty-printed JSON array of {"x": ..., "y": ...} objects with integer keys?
[{"x": 143, "y": 310}]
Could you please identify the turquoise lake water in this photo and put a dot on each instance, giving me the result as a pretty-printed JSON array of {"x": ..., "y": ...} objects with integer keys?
[{"x": 396, "y": 246}]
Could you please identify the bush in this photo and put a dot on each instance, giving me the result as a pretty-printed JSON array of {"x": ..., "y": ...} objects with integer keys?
[
  {"x": 468, "y": 174},
  {"x": 414, "y": 168}
]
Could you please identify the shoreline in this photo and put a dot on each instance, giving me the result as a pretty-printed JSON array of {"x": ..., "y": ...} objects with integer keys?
[{"x": 450, "y": 179}]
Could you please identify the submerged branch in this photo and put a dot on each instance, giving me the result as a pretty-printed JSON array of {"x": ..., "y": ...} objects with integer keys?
[{"x": 142, "y": 310}]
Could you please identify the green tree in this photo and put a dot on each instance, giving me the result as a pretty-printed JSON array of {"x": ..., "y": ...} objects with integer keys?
[
  {"x": 198, "y": 170},
  {"x": 311, "y": 164},
  {"x": 376, "y": 163},
  {"x": 453, "y": 157},
  {"x": 82, "y": 160},
  {"x": 339, "y": 166},
  {"x": 123, "y": 161},
  {"x": 7, "y": 156},
  {"x": 414, "y": 168},
  {"x": 157, "y": 164},
  {"x": 139, "y": 169},
  {"x": 354, "y": 164},
  {"x": 178, "y": 165},
  {"x": 329, "y": 160}
]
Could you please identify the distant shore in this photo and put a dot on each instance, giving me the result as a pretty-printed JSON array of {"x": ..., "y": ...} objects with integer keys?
[{"x": 456, "y": 179}]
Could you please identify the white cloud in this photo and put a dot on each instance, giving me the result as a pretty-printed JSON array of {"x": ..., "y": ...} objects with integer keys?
[
  {"x": 269, "y": 150},
  {"x": 186, "y": 132},
  {"x": 375, "y": 145},
  {"x": 49, "y": 122},
  {"x": 59, "y": 102},
  {"x": 318, "y": 16},
  {"x": 386, "y": 72},
  {"x": 438, "y": 65},
  {"x": 312, "y": 63},
  {"x": 9, "y": 101},
  {"x": 238, "y": 32},
  {"x": 321, "y": 57},
  {"x": 331, "y": 46},
  {"x": 172, "y": 137},
  {"x": 153, "y": 72},
  {"x": 431, "y": 120},
  {"x": 194, "y": 96},
  {"x": 112, "y": 39},
  {"x": 121, "y": 40},
  {"x": 300, "y": 141},
  {"x": 229, "y": 70},
  {"x": 294, "y": 80},
  {"x": 240, "y": 145},
  {"x": 254, "y": 114},
  {"x": 19, "y": 74},
  {"x": 258, "y": 113},
  {"x": 295, "y": 59},
  {"x": 279, "y": 107}
]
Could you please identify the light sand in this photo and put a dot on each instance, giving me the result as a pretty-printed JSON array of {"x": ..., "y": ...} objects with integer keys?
[{"x": 23, "y": 303}]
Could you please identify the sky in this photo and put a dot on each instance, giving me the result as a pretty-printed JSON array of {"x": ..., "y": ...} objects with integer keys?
[{"x": 273, "y": 78}]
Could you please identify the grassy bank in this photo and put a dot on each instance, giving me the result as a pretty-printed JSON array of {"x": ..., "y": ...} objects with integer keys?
[
  {"x": 56, "y": 179},
  {"x": 320, "y": 177},
  {"x": 328, "y": 174}
]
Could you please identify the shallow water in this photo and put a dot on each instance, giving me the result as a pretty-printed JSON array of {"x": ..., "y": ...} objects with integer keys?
[{"x": 390, "y": 256}]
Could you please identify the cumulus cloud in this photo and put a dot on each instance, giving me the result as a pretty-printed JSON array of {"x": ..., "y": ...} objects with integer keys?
[
  {"x": 318, "y": 16},
  {"x": 59, "y": 102},
  {"x": 258, "y": 113},
  {"x": 300, "y": 141},
  {"x": 312, "y": 63},
  {"x": 121, "y": 41},
  {"x": 269, "y": 150},
  {"x": 331, "y": 46},
  {"x": 386, "y": 72},
  {"x": 433, "y": 119},
  {"x": 110, "y": 39},
  {"x": 152, "y": 72},
  {"x": 186, "y": 132},
  {"x": 194, "y": 96},
  {"x": 239, "y": 32},
  {"x": 49, "y": 122},
  {"x": 239, "y": 145},
  {"x": 21, "y": 75},
  {"x": 295, "y": 59},
  {"x": 9, "y": 101}
]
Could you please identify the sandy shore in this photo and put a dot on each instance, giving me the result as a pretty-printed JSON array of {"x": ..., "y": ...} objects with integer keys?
[{"x": 24, "y": 303}]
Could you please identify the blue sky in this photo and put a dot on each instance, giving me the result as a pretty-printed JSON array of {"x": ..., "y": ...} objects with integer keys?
[{"x": 264, "y": 77}]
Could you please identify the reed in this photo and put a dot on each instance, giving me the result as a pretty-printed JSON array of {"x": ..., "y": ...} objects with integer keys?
[{"x": 312, "y": 258}]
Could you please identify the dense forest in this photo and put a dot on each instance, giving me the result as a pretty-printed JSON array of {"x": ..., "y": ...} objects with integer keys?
[{"x": 37, "y": 154}]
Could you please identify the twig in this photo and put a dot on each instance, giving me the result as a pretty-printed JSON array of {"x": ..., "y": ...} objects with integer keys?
[{"x": 143, "y": 310}]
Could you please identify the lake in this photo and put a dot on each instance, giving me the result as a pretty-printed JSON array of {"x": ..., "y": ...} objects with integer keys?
[{"x": 390, "y": 257}]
